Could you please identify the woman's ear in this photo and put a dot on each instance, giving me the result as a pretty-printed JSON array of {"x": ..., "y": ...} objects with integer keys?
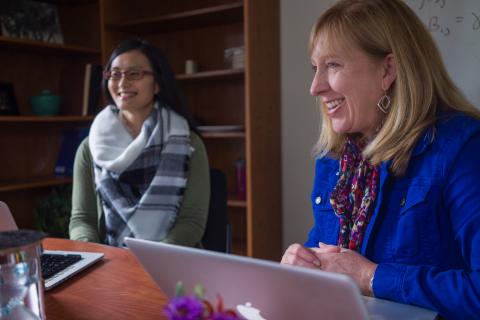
[{"x": 389, "y": 71}]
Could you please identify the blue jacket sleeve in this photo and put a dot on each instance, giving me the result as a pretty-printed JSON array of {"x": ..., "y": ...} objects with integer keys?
[{"x": 454, "y": 292}]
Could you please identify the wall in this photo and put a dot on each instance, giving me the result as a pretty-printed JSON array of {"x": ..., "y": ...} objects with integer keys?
[{"x": 300, "y": 117}]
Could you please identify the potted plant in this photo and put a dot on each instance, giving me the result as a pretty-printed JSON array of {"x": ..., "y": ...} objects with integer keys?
[{"x": 52, "y": 213}]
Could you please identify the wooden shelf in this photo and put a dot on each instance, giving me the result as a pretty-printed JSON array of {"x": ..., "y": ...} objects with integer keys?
[
  {"x": 223, "y": 135},
  {"x": 45, "y": 47},
  {"x": 198, "y": 18},
  {"x": 45, "y": 119},
  {"x": 70, "y": 2},
  {"x": 23, "y": 184},
  {"x": 235, "y": 203},
  {"x": 213, "y": 75}
]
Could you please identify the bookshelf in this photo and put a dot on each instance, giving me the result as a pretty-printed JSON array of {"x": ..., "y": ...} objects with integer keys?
[
  {"x": 39, "y": 46},
  {"x": 219, "y": 95},
  {"x": 184, "y": 19},
  {"x": 53, "y": 120},
  {"x": 31, "y": 143},
  {"x": 213, "y": 74},
  {"x": 33, "y": 183}
]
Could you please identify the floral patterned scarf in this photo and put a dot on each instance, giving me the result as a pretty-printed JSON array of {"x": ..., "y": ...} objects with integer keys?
[{"x": 354, "y": 195}]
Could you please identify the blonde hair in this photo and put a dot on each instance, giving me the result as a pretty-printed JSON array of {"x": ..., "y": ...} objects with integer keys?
[{"x": 422, "y": 84}]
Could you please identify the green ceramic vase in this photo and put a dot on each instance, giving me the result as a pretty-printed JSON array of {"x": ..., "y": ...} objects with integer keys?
[{"x": 45, "y": 104}]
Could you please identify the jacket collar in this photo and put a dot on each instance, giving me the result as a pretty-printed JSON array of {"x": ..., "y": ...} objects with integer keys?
[{"x": 424, "y": 142}]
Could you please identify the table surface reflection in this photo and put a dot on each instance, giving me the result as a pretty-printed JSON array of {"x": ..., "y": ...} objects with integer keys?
[{"x": 115, "y": 288}]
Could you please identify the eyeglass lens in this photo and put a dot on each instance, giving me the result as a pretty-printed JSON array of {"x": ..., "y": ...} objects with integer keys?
[{"x": 130, "y": 74}]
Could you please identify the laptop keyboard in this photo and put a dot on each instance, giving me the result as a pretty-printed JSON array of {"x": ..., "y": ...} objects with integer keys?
[{"x": 54, "y": 263}]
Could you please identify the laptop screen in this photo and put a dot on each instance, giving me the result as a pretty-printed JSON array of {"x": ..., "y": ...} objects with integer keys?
[
  {"x": 7, "y": 222},
  {"x": 62, "y": 269}
]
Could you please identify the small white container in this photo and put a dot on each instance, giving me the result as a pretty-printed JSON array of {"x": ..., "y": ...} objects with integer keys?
[
  {"x": 191, "y": 66},
  {"x": 234, "y": 57}
]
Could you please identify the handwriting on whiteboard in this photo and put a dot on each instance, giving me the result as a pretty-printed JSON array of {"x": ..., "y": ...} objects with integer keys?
[
  {"x": 455, "y": 27},
  {"x": 435, "y": 23}
]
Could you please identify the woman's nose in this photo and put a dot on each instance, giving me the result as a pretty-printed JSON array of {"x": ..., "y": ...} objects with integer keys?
[
  {"x": 123, "y": 82},
  {"x": 319, "y": 84}
]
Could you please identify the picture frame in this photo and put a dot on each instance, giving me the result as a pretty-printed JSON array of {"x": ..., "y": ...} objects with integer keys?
[
  {"x": 30, "y": 19},
  {"x": 8, "y": 103}
]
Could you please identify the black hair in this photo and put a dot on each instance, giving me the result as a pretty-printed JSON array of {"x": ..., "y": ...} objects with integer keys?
[{"x": 169, "y": 95}]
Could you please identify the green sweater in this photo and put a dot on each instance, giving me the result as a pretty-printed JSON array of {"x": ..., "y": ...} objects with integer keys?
[{"x": 87, "y": 221}]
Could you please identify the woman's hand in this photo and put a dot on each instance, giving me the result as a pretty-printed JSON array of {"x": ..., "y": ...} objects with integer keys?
[
  {"x": 298, "y": 255},
  {"x": 349, "y": 262},
  {"x": 333, "y": 259}
]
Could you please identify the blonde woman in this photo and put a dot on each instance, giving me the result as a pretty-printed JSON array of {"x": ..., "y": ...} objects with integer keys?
[{"x": 396, "y": 198}]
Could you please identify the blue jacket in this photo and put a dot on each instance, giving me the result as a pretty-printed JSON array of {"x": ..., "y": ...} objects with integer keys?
[{"x": 424, "y": 232}]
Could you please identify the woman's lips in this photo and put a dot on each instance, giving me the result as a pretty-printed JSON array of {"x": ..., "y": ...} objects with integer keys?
[{"x": 334, "y": 105}]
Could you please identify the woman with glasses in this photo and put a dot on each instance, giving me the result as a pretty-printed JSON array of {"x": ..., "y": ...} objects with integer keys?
[
  {"x": 396, "y": 193},
  {"x": 143, "y": 171}
]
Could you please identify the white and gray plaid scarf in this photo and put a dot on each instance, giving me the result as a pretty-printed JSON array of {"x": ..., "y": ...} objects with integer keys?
[{"x": 140, "y": 181}]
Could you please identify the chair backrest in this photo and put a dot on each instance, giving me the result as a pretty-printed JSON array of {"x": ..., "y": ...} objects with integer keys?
[
  {"x": 7, "y": 222},
  {"x": 217, "y": 236}
]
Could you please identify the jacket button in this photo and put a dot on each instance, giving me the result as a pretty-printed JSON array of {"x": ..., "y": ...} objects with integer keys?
[
  {"x": 402, "y": 202},
  {"x": 318, "y": 200}
]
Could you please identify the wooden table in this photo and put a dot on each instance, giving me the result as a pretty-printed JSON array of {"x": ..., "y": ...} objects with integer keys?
[{"x": 115, "y": 288}]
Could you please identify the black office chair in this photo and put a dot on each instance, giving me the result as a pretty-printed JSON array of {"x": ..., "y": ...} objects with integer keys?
[{"x": 217, "y": 236}]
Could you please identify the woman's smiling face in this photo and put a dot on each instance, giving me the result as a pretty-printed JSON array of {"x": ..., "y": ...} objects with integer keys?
[
  {"x": 132, "y": 95},
  {"x": 349, "y": 83}
]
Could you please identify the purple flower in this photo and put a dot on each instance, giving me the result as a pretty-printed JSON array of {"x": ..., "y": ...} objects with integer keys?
[{"x": 184, "y": 308}]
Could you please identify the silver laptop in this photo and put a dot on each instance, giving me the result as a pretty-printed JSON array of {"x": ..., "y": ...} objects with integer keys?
[
  {"x": 83, "y": 259},
  {"x": 259, "y": 289}
]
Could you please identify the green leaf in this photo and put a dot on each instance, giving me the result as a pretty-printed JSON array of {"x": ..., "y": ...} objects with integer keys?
[
  {"x": 52, "y": 212},
  {"x": 179, "y": 291},
  {"x": 199, "y": 291}
]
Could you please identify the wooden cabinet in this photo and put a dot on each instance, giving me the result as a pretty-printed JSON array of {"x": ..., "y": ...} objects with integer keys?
[
  {"x": 30, "y": 144},
  {"x": 219, "y": 95}
]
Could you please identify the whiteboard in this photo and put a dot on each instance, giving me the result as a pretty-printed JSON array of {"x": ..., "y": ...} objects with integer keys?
[{"x": 455, "y": 26}]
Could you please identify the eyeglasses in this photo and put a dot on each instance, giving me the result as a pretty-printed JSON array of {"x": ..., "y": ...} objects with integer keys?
[{"x": 131, "y": 75}]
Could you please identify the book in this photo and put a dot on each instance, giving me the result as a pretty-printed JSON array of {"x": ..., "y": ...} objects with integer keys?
[
  {"x": 96, "y": 77},
  {"x": 71, "y": 139},
  {"x": 86, "y": 88},
  {"x": 92, "y": 83}
]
